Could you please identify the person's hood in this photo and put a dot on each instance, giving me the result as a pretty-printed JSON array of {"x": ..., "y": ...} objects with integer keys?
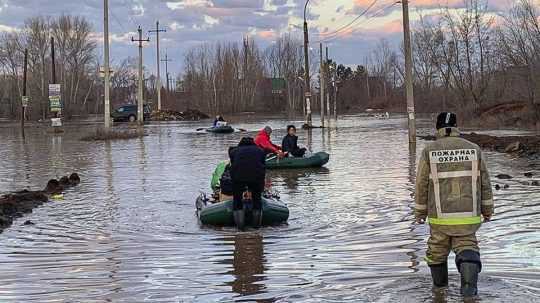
[{"x": 454, "y": 132}]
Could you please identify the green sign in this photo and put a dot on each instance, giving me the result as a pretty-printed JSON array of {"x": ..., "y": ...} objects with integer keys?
[
  {"x": 25, "y": 100},
  {"x": 54, "y": 98},
  {"x": 278, "y": 85}
]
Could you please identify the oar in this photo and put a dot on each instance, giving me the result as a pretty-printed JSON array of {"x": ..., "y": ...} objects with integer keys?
[{"x": 271, "y": 158}]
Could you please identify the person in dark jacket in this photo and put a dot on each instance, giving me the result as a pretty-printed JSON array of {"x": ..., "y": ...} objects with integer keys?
[
  {"x": 290, "y": 143},
  {"x": 247, "y": 171},
  {"x": 217, "y": 120}
]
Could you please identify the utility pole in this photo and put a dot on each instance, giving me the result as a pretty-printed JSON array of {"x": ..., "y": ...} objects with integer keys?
[
  {"x": 307, "y": 86},
  {"x": 408, "y": 72},
  {"x": 158, "y": 80},
  {"x": 107, "y": 70},
  {"x": 140, "y": 101},
  {"x": 326, "y": 87},
  {"x": 323, "y": 83},
  {"x": 53, "y": 69},
  {"x": 335, "y": 83},
  {"x": 24, "y": 101},
  {"x": 167, "y": 60}
]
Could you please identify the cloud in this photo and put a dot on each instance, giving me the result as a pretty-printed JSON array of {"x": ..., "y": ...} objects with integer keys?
[
  {"x": 7, "y": 29},
  {"x": 193, "y": 22},
  {"x": 183, "y": 4}
]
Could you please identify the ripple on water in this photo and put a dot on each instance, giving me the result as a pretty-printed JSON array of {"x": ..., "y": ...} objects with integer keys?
[{"x": 129, "y": 233}]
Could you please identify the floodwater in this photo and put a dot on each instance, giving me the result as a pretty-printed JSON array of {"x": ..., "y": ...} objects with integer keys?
[{"x": 128, "y": 232}]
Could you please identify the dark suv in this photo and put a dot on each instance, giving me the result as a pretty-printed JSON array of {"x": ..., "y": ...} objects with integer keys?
[{"x": 129, "y": 113}]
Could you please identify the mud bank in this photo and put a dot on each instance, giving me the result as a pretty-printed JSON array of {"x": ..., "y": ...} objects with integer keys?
[
  {"x": 171, "y": 115},
  {"x": 16, "y": 204},
  {"x": 523, "y": 146}
]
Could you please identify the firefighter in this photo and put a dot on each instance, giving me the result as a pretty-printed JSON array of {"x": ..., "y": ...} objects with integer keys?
[{"x": 453, "y": 192}]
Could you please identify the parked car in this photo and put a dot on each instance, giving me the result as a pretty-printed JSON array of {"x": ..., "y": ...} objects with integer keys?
[{"x": 129, "y": 113}]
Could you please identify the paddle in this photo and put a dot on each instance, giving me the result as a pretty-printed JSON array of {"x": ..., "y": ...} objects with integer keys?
[
  {"x": 202, "y": 128},
  {"x": 271, "y": 158},
  {"x": 242, "y": 130}
]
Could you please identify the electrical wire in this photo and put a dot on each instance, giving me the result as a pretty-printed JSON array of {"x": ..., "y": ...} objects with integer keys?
[
  {"x": 352, "y": 22},
  {"x": 375, "y": 14}
]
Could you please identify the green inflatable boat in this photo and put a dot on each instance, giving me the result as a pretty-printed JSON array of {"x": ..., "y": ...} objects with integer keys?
[
  {"x": 315, "y": 160},
  {"x": 221, "y": 213},
  {"x": 221, "y": 129}
]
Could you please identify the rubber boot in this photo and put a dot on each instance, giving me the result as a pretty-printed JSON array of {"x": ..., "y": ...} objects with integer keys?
[
  {"x": 239, "y": 219},
  {"x": 439, "y": 274},
  {"x": 257, "y": 218},
  {"x": 469, "y": 279}
]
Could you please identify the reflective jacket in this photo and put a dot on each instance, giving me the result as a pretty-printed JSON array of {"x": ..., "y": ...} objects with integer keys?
[
  {"x": 452, "y": 185},
  {"x": 263, "y": 141}
]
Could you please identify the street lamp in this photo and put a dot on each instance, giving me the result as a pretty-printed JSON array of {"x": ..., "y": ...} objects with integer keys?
[{"x": 307, "y": 89}]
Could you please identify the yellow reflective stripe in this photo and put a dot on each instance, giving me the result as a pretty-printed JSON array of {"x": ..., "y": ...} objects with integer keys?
[
  {"x": 455, "y": 221},
  {"x": 453, "y": 174},
  {"x": 488, "y": 202},
  {"x": 420, "y": 206}
]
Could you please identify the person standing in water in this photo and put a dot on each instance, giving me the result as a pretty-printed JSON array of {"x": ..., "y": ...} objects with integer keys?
[
  {"x": 453, "y": 192},
  {"x": 248, "y": 171}
]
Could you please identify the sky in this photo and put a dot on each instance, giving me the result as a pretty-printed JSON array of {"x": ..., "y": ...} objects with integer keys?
[{"x": 190, "y": 23}]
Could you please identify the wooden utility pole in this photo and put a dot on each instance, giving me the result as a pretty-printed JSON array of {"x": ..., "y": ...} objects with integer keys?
[
  {"x": 408, "y": 72},
  {"x": 326, "y": 87},
  {"x": 140, "y": 101},
  {"x": 323, "y": 83},
  {"x": 158, "y": 80},
  {"x": 167, "y": 60},
  {"x": 24, "y": 100},
  {"x": 307, "y": 86},
  {"x": 107, "y": 70},
  {"x": 53, "y": 65}
]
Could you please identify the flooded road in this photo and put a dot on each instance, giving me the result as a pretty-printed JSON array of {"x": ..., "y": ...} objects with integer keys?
[{"x": 129, "y": 232}]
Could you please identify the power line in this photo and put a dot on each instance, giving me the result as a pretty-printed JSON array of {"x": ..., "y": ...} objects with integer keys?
[
  {"x": 375, "y": 14},
  {"x": 352, "y": 22}
]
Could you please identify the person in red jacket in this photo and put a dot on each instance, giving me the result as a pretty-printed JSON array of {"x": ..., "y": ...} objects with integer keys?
[{"x": 263, "y": 141}]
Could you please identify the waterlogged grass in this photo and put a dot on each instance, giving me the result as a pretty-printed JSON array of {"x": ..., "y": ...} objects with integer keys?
[{"x": 105, "y": 135}]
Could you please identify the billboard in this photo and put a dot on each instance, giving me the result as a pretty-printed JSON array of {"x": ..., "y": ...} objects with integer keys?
[{"x": 55, "y": 104}]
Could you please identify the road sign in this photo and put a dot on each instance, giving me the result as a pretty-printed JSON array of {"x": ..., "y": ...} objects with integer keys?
[
  {"x": 25, "y": 100},
  {"x": 54, "y": 98}
]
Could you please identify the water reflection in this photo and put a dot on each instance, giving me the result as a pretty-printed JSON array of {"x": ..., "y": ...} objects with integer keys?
[
  {"x": 248, "y": 264},
  {"x": 128, "y": 233},
  {"x": 292, "y": 177}
]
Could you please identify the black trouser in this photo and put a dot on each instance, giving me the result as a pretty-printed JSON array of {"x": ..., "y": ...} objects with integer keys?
[
  {"x": 298, "y": 152},
  {"x": 255, "y": 187}
]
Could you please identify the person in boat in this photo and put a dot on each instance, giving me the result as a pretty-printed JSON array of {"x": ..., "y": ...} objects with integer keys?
[
  {"x": 453, "y": 192},
  {"x": 290, "y": 143},
  {"x": 221, "y": 183},
  {"x": 247, "y": 172},
  {"x": 219, "y": 120},
  {"x": 265, "y": 143}
]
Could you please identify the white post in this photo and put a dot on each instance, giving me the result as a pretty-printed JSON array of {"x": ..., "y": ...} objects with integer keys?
[{"x": 107, "y": 82}]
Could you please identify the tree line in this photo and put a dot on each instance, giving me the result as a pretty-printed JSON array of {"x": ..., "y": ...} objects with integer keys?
[
  {"x": 466, "y": 60},
  {"x": 77, "y": 69}
]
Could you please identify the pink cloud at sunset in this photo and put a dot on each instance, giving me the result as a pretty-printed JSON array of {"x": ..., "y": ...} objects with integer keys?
[
  {"x": 267, "y": 34},
  {"x": 426, "y": 4}
]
